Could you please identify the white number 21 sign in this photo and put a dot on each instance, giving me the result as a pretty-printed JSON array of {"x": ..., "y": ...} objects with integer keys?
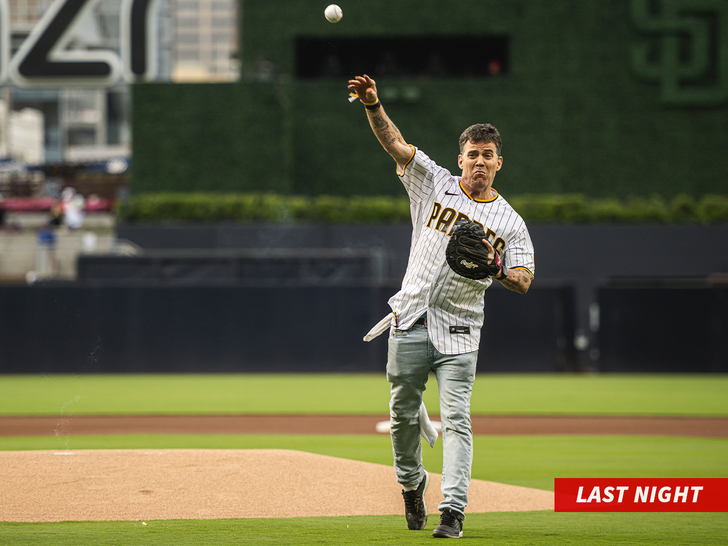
[{"x": 43, "y": 60}]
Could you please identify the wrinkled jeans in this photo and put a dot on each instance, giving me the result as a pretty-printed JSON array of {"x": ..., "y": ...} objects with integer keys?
[{"x": 410, "y": 360}]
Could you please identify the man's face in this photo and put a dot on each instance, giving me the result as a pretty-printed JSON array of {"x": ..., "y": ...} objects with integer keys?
[{"x": 479, "y": 163}]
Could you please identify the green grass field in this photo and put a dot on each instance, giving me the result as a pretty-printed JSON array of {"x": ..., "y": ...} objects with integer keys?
[
  {"x": 532, "y": 461},
  {"x": 696, "y": 395},
  {"x": 501, "y": 529}
]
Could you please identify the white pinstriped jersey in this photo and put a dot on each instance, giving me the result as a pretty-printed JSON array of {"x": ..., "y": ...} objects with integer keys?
[{"x": 437, "y": 201}]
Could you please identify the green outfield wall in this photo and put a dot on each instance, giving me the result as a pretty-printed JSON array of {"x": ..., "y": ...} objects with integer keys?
[{"x": 603, "y": 98}]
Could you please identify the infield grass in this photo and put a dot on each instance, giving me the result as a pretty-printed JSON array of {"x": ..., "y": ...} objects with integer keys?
[
  {"x": 497, "y": 529},
  {"x": 696, "y": 395}
]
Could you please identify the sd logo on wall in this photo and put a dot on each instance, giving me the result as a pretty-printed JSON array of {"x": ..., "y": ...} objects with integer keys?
[{"x": 685, "y": 50}]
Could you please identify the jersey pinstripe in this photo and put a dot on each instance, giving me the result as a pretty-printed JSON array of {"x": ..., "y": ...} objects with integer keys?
[{"x": 437, "y": 201}]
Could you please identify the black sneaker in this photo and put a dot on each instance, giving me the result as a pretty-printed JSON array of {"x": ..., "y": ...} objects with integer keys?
[
  {"x": 415, "y": 509},
  {"x": 450, "y": 526}
]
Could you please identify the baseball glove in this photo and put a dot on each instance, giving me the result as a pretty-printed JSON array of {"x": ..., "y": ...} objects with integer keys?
[{"x": 468, "y": 256}]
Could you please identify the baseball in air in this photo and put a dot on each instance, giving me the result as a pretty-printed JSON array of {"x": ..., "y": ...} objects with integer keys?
[{"x": 333, "y": 13}]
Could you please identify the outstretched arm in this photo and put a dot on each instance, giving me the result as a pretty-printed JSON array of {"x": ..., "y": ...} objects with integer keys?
[{"x": 386, "y": 132}]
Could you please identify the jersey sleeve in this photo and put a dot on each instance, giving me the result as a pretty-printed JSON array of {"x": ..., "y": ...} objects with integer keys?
[
  {"x": 519, "y": 253},
  {"x": 419, "y": 175}
]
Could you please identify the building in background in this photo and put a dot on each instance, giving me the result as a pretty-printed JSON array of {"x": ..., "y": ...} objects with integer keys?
[
  {"x": 197, "y": 41},
  {"x": 204, "y": 45}
]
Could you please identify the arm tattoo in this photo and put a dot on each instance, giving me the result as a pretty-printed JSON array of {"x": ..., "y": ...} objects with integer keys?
[
  {"x": 379, "y": 123},
  {"x": 518, "y": 280},
  {"x": 394, "y": 135},
  {"x": 386, "y": 130},
  {"x": 390, "y": 137}
]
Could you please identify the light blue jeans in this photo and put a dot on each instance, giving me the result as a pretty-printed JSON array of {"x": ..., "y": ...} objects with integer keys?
[{"x": 410, "y": 360}]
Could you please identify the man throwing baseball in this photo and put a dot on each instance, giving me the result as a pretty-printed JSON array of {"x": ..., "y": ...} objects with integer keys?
[{"x": 438, "y": 313}]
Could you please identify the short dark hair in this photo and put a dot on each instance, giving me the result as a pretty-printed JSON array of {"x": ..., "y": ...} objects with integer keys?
[{"x": 481, "y": 132}]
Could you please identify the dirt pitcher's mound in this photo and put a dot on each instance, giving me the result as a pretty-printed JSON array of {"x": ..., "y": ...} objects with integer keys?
[{"x": 99, "y": 485}]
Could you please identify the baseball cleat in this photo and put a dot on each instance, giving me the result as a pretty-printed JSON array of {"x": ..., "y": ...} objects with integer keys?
[
  {"x": 450, "y": 526},
  {"x": 415, "y": 509}
]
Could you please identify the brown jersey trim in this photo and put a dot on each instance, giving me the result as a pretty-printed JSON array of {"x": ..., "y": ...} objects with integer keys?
[
  {"x": 478, "y": 200},
  {"x": 525, "y": 269}
]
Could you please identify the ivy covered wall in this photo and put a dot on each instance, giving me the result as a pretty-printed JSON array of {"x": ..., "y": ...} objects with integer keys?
[{"x": 608, "y": 99}]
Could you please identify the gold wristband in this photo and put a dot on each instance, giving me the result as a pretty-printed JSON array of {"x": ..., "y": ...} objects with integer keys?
[{"x": 370, "y": 103}]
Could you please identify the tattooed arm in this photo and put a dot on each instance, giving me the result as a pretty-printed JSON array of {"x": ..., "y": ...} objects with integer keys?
[
  {"x": 518, "y": 280},
  {"x": 386, "y": 132}
]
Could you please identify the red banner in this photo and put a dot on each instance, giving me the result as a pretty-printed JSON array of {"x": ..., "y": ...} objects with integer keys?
[{"x": 641, "y": 495}]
